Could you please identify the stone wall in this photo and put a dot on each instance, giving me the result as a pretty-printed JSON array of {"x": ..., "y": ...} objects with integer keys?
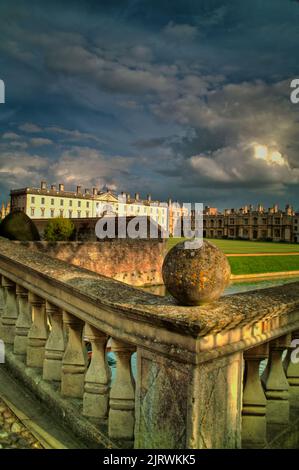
[{"x": 135, "y": 262}]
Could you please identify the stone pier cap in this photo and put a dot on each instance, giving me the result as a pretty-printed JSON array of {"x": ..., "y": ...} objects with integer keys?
[{"x": 189, "y": 334}]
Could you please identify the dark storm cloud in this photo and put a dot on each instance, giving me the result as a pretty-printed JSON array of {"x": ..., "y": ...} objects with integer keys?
[{"x": 177, "y": 98}]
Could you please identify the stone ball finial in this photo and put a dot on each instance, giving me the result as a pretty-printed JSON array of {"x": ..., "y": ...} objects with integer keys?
[{"x": 195, "y": 276}]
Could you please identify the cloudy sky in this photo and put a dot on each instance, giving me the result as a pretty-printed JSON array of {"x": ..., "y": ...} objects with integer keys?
[{"x": 180, "y": 98}]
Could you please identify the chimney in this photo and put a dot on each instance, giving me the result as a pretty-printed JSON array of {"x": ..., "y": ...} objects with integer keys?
[
  {"x": 79, "y": 189},
  {"x": 275, "y": 207},
  {"x": 136, "y": 196},
  {"x": 61, "y": 187},
  {"x": 169, "y": 202},
  {"x": 86, "y": 191},
  {"x": 94, "y": 191},
  {"x": 53, "y": 187},
  {"x": 149, "y": 197},
  {"x": 43, "y": 185}
]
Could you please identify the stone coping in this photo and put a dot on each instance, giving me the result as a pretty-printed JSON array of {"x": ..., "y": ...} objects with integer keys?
[{"x": 233, "y": 322}]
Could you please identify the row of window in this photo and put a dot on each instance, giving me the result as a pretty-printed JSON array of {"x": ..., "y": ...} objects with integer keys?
[
  {"x": 131, "y": 208},
  {"x": 61, "y": 213},
  {"x": 43, "y": 201},
  {"x": 231, "y": 233},
  {"x": 277, "y": 221}
]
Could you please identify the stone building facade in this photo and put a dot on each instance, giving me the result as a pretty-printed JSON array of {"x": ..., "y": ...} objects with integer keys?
[
  {"x": 252, "y": 223},
  {"x": 48, "y": 202}
]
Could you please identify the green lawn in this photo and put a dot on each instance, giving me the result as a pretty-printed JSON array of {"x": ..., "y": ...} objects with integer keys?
[
  {"x": 255, "y": 264},
  {"x": 239, "y": 246},
  {"x": 263, "y": 264}
]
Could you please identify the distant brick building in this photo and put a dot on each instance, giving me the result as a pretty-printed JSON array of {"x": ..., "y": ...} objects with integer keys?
[{"x": 249, "y": 223}]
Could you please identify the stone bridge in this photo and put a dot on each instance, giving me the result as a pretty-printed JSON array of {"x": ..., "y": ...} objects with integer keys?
[{"x": 196, "y": 383}]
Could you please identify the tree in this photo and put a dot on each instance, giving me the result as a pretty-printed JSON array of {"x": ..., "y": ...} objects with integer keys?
[
  {"x": 18, "y": 226},
  {"x": 59, "y": 230}
]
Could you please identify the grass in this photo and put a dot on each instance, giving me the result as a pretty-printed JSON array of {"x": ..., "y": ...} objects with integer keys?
[
  {"x": 263, "y": 264},
  {"x": 255, "y": 265},
  {"x": 246, "y": 247}
]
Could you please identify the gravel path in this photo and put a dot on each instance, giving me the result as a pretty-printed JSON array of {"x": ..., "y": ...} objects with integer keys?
[{"x": 13, "y": 434}]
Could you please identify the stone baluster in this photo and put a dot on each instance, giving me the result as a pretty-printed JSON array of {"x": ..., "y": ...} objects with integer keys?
[
  {"x": 54, "y": 348},
  {"x": 38, "y": 332},
  {"x": 1, "y": 297},
  {"x": 24, "y": 321},
  {"x": 122, "y": 394},
  {"x": 97, "y": 379},
  {"x": 74, "y": 358},
  {"x": 254, "y": 400},
  {"x": 291, "y": 367},
  {"x": 1, "y": 304},
  {"x": 10, "y": 311},
  {"x": 275, "y": 383}
]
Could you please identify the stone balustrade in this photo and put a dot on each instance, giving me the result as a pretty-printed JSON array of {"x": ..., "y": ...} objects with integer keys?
[{"x": 198, "y": 381}]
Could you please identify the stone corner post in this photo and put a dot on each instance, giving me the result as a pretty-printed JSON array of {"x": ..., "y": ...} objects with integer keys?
[{"x": 180, "y": 405}]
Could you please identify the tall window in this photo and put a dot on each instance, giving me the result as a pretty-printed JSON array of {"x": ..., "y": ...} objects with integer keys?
[
  {"x": 79, "y": 203},
  {"x": 61, "y": 202},
  {"x": 79, "y": 214},
  {"x": 52, "y": 212},
  {"x": 87, "y": 213},
  {"x": 43, "y": 200},
  {"x": 70, "y": 214},
  {"x": 52, "y": 202},
  {"x": 32, "y": 200},
  {"x": 43, "y": 211},
  {"x": 71, "y": 203},
  {"x": 32, "y": 210},
  {"x": 87, "y": 205}
]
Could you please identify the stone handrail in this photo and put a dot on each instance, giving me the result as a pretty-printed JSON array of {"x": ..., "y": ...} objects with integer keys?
[{"x": 190, "y": 360}]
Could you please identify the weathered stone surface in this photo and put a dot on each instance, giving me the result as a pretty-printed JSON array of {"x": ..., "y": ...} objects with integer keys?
[
  {"x": 162, "y": 382},
  {"x": 217, "y": 404},
  {"x": 196, "y": 276},
  {"x": 88, "y": 290},
  {"x": 189, "y": 373},
  {"x": 135, "y": 262}
]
